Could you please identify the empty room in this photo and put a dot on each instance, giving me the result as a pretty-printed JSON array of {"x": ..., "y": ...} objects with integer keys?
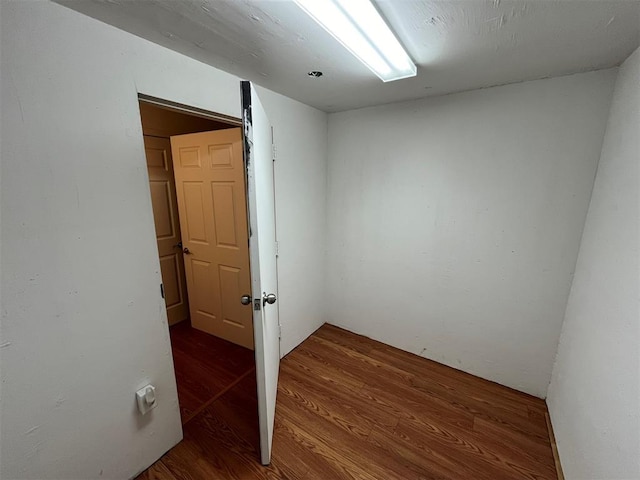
[{"x": 320, "y": 239}]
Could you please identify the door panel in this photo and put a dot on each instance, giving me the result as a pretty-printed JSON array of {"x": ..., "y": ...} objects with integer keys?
[
  {"x": 165, "y": 215},
  {"x": 203, "y": 302},
  {"x": 210, "y": 181},
  {"x": 162, "y": 215},
  {"x": 231, "y": 290},
  {"x": 221, "y": 156},
  {"x": 192, "y": 213},
  {"x": 258, "y": 151},
  {"x": 170, "y": 274},
  {"x": 223, "y": 201}
]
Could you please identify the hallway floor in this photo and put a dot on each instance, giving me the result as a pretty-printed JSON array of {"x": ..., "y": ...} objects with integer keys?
[
  {"x": 351, "y": 407},
  {"x": 206, "y": 367}
]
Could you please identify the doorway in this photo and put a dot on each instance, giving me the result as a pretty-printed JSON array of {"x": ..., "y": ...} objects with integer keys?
[
  {"x": 258, "y": 154},
  {"x": 198, "y": 196}
]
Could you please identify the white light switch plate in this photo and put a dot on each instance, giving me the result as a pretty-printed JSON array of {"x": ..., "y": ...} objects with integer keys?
[{"x": 146, "y": 398}]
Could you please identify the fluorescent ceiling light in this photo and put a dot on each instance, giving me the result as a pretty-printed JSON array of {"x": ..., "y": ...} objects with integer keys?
[{"x": 358, "y": 26}]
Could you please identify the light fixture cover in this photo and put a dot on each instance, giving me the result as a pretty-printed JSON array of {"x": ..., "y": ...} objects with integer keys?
[{"x": 358, "y": 26}]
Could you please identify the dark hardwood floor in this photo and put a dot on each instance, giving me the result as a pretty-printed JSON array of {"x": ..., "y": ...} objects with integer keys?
[
  {"x": 352, "y": 408},
  {"x": 206, "y": 366}
]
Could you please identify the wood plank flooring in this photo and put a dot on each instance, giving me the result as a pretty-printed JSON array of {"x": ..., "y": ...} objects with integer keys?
[
  {"x": 205, "y": 366},
  {"x": 353, "y": 408}
]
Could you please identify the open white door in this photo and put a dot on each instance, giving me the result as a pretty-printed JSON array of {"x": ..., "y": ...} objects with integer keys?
[{"x": 262, "y": 252}]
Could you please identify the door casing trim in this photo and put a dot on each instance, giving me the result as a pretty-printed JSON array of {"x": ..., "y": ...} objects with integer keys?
[{"x": 195, "y": 111}]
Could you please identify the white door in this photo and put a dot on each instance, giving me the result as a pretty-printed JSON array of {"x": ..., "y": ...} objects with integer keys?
[{"x": 262, "y": 252}]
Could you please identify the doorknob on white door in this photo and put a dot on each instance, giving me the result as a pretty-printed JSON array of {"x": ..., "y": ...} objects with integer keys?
[{"x": 270, "y": 299}]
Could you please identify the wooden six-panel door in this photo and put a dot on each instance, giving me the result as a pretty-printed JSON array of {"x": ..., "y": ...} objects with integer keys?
[
  {"x": 210, "y": 183},
  {"x": 165, "y": 214}
]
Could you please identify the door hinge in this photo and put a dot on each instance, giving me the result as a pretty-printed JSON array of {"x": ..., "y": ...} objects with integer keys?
[
  {"x": 277, "y": 248},
  {"x": 280, "y": 331},
  {"x": 162, "y": 290},
  {"x": 273, "y": 152}
]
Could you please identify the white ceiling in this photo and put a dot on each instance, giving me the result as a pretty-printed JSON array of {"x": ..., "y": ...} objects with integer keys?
[{"x": 457, "y": 44}]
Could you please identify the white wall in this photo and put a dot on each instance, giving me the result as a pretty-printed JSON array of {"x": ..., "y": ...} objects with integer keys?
[
  {"x": 455, "y": 221},
  {"x": 594, "y": 396},
  {"x": 83, "y": 324}
]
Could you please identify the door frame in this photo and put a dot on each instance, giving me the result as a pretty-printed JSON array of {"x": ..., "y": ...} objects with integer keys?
[
  {"x": 233, "y": 122},
  {"x": 230, "y": 121},
  {"x": 186, "y": 109}
]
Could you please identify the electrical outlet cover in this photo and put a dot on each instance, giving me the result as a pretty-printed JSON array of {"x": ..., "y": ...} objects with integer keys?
[{"x": 146, "y": 398}]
